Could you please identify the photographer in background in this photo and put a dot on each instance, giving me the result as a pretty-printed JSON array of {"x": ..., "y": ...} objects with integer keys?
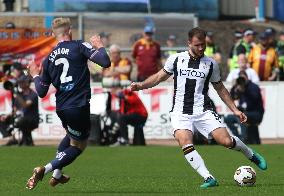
[
  {"x": 131, "y": 112},
  {"x": 7, "y": 122},
  {"x": 25, "y": 115},
  {"x": 26, "y": 101},
  {"x": 248, "y": 96}
]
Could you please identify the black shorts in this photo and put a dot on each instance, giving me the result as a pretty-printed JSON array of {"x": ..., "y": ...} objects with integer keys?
[{"x": 76, "y": 121}]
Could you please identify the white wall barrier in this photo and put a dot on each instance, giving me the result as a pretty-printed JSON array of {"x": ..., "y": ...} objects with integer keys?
[{"x": 158, "y": 102}]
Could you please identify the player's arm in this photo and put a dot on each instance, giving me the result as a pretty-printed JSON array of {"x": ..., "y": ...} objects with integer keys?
[
  {"x": 158, "y": 77},
  {"x": 99, "y": 55},
  {"x": 150, "y": 82},
  {"x": 226, "y": 98},
  {"x": 223, "y": 92},
  {"x": 42, "y": 81}
]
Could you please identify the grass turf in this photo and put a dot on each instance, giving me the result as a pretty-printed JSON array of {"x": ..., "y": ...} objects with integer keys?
[{"x": 150, "y": 170}]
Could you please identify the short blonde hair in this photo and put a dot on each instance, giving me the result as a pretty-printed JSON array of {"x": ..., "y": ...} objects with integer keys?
[{"x": 61, "y": 26}]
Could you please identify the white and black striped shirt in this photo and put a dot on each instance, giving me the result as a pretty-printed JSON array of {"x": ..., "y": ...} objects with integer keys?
[{"x": 191, "y": 82}]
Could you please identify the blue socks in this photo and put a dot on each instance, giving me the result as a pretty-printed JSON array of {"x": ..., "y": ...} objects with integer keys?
[
  {"x": 65, "y": 143},
  {"x": 65, "y": 157}
]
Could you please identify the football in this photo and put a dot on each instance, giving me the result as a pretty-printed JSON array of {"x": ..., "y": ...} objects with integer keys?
[{"x": 245, "y": 176}]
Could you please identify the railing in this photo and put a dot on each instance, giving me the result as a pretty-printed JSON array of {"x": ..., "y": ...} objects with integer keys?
[{"x": 81, "y": 16}]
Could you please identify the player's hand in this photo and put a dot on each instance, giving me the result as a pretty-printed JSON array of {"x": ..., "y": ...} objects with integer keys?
[
  {"x": 135, "y": 86},
  {"x": 96, "y": 42},
  {"x": 34, "y": 69},
  {"x": 242, "y": 116}
]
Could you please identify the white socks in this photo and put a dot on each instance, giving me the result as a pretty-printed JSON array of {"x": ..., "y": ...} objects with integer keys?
[
  {"x": 197, "y": 163},
  {"x": 240, "y": 146},
  {"x": 48, "y": 168},
  {"x": 57, "y": 173},
  {"x": 195, "y": 160}
]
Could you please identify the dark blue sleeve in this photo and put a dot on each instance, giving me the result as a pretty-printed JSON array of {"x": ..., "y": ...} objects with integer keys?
[
  {"x": 41, "y": 87},
  {"x": 99, "y": 56},
  {"x": 43, "y": 81}
]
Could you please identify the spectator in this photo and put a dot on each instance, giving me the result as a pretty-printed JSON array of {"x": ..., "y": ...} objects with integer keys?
[
  {"x": 171, "y": 43},
  {"x": 280, "y": 52},
  {"x": 9, "y": 4},
  {"x": 132, "y": 112},
  {"x": 271, "y": 33},
  {"x": 120, "y": 66},
  {"x": 105, "y": 38},
  {"x": 212, "y": 50},
  {"x": 238, "y": 35},
  {"x": 243, "y": 47},
  {"x": 147, "y": 54},
  {"x": 243, "y": 66},
  {"x": 264, "y": 60},
  {"x": 135, "y": 37},
  {"x": 249, "y": 99}
]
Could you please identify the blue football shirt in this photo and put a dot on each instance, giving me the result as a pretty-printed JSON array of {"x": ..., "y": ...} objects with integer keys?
[{"x": 67, "y": 70}]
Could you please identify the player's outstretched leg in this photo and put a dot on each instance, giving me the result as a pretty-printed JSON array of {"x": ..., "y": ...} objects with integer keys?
[
  {"x": 37, "y": 176},
  {"x": 62, "y": 159},
  {"x": 249, "y": 153},
  {"x": 197, "y": 163}
]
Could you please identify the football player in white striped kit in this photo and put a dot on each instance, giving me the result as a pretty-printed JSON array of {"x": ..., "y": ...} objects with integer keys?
[{"x": 191, "y": 109}]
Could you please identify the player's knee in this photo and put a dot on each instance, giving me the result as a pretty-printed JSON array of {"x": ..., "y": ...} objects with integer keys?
[
  {"x": 183, "y": 137},
  {"x": 184, "y": 141},
  {"x": 79, "y": 144}
]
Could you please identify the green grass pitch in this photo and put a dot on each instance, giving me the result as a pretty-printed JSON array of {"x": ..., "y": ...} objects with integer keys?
[{"x": 151, "y": 170}]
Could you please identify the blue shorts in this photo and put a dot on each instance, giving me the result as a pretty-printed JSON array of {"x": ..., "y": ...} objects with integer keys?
[{"x": 76, "y": 121}]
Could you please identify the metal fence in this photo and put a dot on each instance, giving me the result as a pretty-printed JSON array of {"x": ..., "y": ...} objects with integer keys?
[{"x": 123, "y": 26}]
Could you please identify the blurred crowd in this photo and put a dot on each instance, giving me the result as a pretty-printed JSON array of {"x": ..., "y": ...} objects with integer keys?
[{"x": 260, "y": 54}]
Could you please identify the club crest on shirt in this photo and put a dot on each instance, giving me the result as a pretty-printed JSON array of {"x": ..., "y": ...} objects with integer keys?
[{"x": 204, "y": 65}]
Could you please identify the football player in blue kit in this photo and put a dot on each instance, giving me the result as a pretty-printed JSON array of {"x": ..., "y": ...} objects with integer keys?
[{"x": 67, "y": 70}]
